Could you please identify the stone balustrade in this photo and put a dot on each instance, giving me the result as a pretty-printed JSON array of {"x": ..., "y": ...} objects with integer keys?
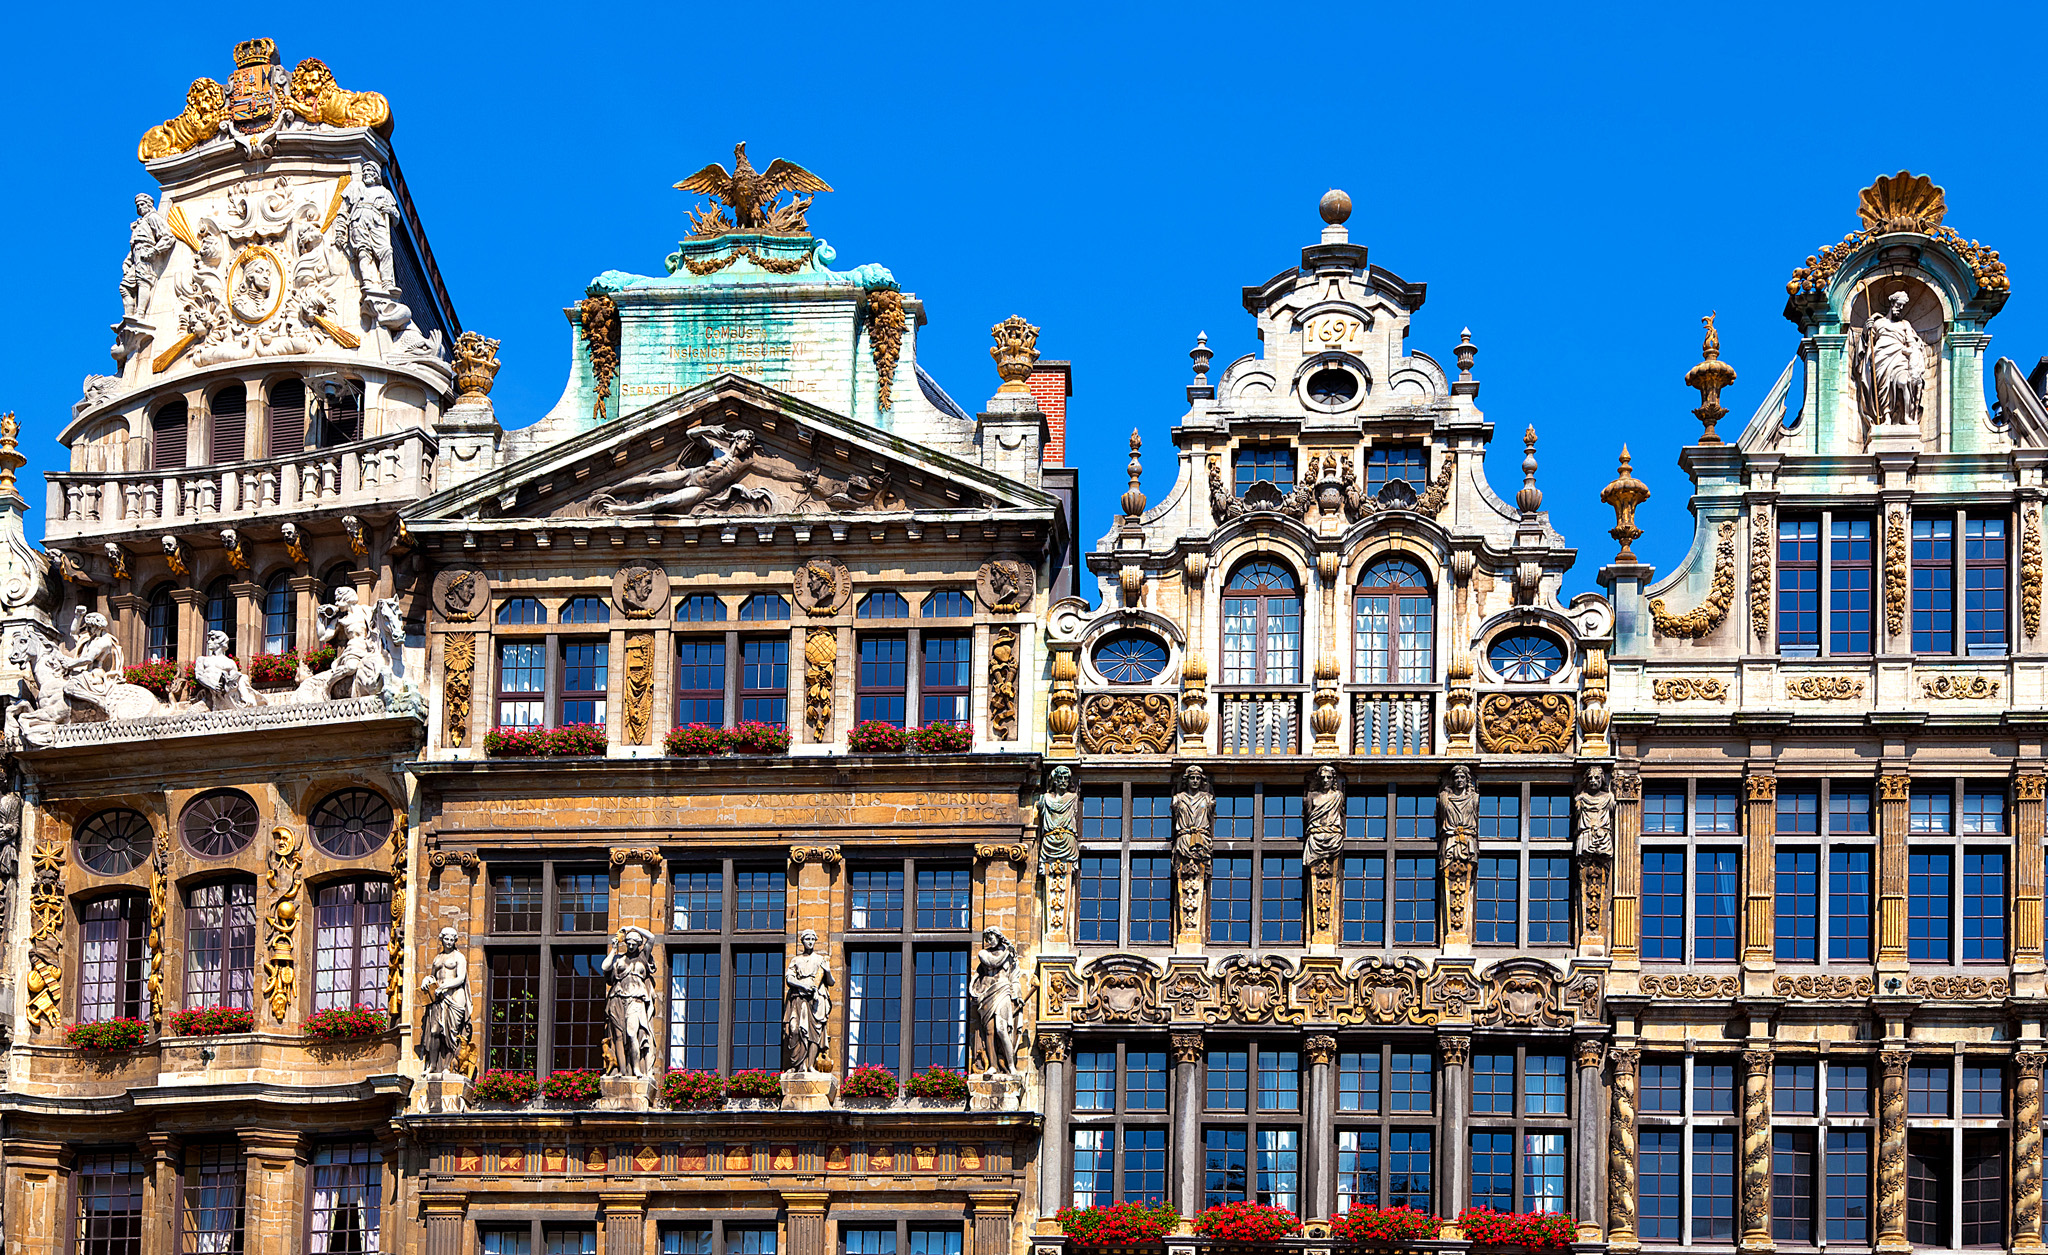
[
  {"x": 1259, "y": 722},
  {"x": 1391, "y": 722}
]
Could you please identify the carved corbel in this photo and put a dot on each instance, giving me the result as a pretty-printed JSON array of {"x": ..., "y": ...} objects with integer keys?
[
  {"x": 1012, "y": 853},
  {"x": 231, "y": 541},
  {"x": 645, "y": 854},
  {"x": 826, "y": 854},
  {"x": 174, "y": 556},
  {"x": 117, "y": 557},
  {"x": 358, "y": 543},
  {"x": 294, "y": 543}
]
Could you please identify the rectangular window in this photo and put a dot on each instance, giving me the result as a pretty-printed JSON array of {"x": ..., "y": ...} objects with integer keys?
[
  {"x": 1983, "y": 811},
  {"x": 1414, "y": 901},
  {"x": 868, "y": 1240},
  {"x": 1102, "y": 815},
  {"x": 515, "y": 902},
  {"x": 1848, "y": 811},
  {"x": 1095, "y": 1080},
  {"x": 579, "y": 1022},
  {"x": 1798, "y": 812},
  {"x": 512, "y": 1038},
  {"x": 1415, "y": 817},
  {"x": 1927, "y": 1089},
  {"x": 1850, "y": 575},
  {"x": 1365, "y": 817},
  {"x": 1279, "y": 1080},
  {"x": 876, "y": 895},
  {"x": 1273, "y": 466},
  {"x": 1365, "y": 900},
  {"x": 1659, "y": 1173},
  {"x": 1151, "y": 815},
  {"x": 1661, "y": 1089},
  {"x": 756, "y": 1010},
  {"x": 942, "y": 894},
  {"x": 1146, "y": 1080},
  {"x": 1799, "y": 585},
  {"x": 1984, "y": 585},
  {"x": 1410, "y": 1077},
  {"x": 213, "y": 1198},
  {"x": 1543, "y": 1085},
  {"x": 1098, "y": 899},
  {"x": 1927, "y": 905},
  {"x": 1229, "y": 1073},
  {"x": 942, "y": 685},
  {"x": 1984, "y": 1189},
  {"x": 583, "y": 681},
  {"x": 1144, "y": 1165},
  {"x": 1792, "y": 1185},
  {"x": 583, "y": 902},
  {"x": 1792, "y": 1089},
  {"x": 1716, "y": 893},
  {"x": 1663, "y": 906},
  {"x": 874, "y": 1007},
  {"x": 1151, "y": 899},
  {"x": 220, "y": 944},
  {"x": 1927, "y": 1188},
  {"x": 1848, "y": 1089},
  {"x": 697, "y": 901},
  {"x": 757, "y": 900},
  {"x": 1496, "y": 901},
  {"x": 1550, "y": 897},
  {"x": 351, "y": 941},
  {"x": 1500, "y": 816},
  {"x": 1493, "y": 1170},
  {"x": 1984, "y": 906},
  {"x": 522, "y": 684},
  {"x": 1280, "y": 900},
  {"x": 1664, "y": 811},
  {"x": 1715, "y": 811},
  {"x": 1223, "y": 1167},
  {"x": 1713, "y": 1185},
  {"x": 109, "y": 1189},
  {"x": 1849, "y": 905},
  {"x": 1543, "y": 1172},
  {"x": 1848, "y": 1183},
  {"x": 700, "y": 681},
  {"x": 1550, "y": 815},
  {"x": 1410, "y": 1182},
  {"x": 1928, "y": 813},
  {"x": 1798, "y": 905},
  {"x": 879, "y": 689},
  {"x": 935, "y": 1240},
  {"x": 1934, "y": 613},
  {"x": 1983, "y": 1090},
  {"x": 1230, "y": 900},
  {"x": 693, "y": 980},
  {"x": 1358, "y": 1169},
  {"x": 1094, "y": 1168},
  {"x": 1386, "y": 463},
  {"x": 1358, "y": 1081},
  {"x": 1493, "y": 1085},
  {"x": 938, "y": 1028},
  {"x": 1713, "y": 1088},
  {"x": 764, "y": 680},
  {"x": 347, "y": 1196}
]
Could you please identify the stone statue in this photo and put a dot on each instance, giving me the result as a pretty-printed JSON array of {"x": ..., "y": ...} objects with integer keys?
[
  {"x": 367, "y": 642},
  {"x": 997, "y": 994},
  {"x": 629, "y": 1006},
  {"x": 367, "y": 208},
  {"x": 79, "y": 684},
  {"x": 1889, "y": 361},
  {"x": 686, "y": 489},
  {"x": 1457, "y": 815},
  {"x": 1594, "y": 818},
  {"x": 1194, "y": 818},
  {"x": 10, "y": 846},
  {"x": 222, "y": 686},
  {"x": 806, "y": 1007},
  {"x": 149, "y": 249},
  {"x": 444, "y": 1026},
  {"x": 1058, "y": 813},
  {"x": 1322, "y": 817}
]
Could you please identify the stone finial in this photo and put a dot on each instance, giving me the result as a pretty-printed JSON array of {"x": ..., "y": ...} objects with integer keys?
[
  {"x": 1710, "y": 376},
  {"x": 1134, "y": 496},
  {"x": 11, "y": 459},
  {"x": 1015, "y": 352},
  {"x": 1201, "y": 389},
  {"x": 1335, "y": 206},
  {"x": 1530, "y": 498},
  {"x": 1466, "y": 351},
  {"x": 1625, "y": 494},
  {"x": 476, "y": 366}
]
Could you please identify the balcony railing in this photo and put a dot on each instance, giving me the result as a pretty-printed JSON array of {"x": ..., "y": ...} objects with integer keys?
[
  {"x": 397, "y": 467},
  {"x": 1260, "y": 723},
  {"x": 1393, "y": 723}
]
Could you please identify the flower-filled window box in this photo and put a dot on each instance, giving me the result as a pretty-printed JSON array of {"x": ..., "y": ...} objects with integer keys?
[
  {"x": 943, "y": 738},
  {"x": 1125, "y": 1224},
  {"x": 1531, "y": 1231},
  {"x": 751, "y": 736},
  {"x": 938, "y": 1085},
  {"x": 1246, "y": 1222},
  {"x": 688, "y": 1090},
  {"x": 498, "y": 1085},
  {"x": 321, "y": 659},
  {"x": 572, "y": 1085},
  {"x": 1385, "y": 1226},
  {"x": 877, "y": 737},
  {"x": 572, "y": 740},
  {"x": 869, "y": 1083},
  {"x": 158, "y": 677},
  {"x": 212, "y": 1021},
  {"x": 337, "y": 1024},
  {"x": 105, "y": 1037},
  {"x": 273, "y": 670},
  {"x": 754, "y": 1086},
  {"x": 697, "y": 740}
]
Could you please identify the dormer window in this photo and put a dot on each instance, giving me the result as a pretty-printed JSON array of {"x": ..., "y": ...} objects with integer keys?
[{"x": 1273, "y": 466}]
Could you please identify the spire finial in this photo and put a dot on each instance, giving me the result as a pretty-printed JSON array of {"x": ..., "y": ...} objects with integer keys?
[
  {"x": 10, "y": 458},
  {"x": 1134, "y": 496},
  {"x": 1625, "y": 494},
  {"x": 1530, "y": 498},
  {"x": 1710, "y": 376},
  {"x": 1200, "y": 389}
]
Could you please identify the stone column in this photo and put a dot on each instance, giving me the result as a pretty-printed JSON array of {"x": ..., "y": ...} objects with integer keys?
[
  {"x": 191, "y": 604},
  {"x": 1626, "y": 942},
  {"x": 992, "y": 1213},
  {"x": 273, "y": 1188},
  {"x": 2027, "y": 876},
  {"x": 1756, "y": 1147},
  {"x": 161, "y": 1196},
  {"x": 444, "y": 1216},
  {"x": 1621, "y": 1151},
  {"x": 1586, "y": 1139},
  {"x": 1759, "y": 828},
  {"x": 1052, "y": 1154},
  {"x": 625, "y": 1224},
  {"x": 2026, "y": 1173},
  {"x": 126, "y": 620},
  {"x": 1894, "y": 790},
  {"x": 806, "y": 1211},
  {"x": 36, "y": 1207},
  {"x": 1320, "y": 1105},
  {"x": 246, "y": 620},
  {"x": 1456, "y": 1155},
  {"x": 1891, "y": 1152},
  {"x": 306, "y": 594},
  {"x": 1186, "y": 1155}
]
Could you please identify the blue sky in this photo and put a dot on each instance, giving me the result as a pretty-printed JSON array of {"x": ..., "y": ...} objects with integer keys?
[{"x": 1577, "y": 184}]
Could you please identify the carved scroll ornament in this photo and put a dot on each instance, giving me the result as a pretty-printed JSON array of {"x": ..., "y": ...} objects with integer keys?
[
  {"x": 281, "y": 925},
  {"x": 639, "y": 694},
  {"x": 1708, "y": 615},
  {"x": 1534, "y": 724},
  {"x": 1122, "y": 989},
  {"x": 1958, "y": 687},
  {"x": 1825, "y": 688},
  {"x": 1957, "y": 988},
  {"x": 394, "y": 950},
  {"x": 1186, "y": 990},
  {"x": 1387, "y": 993},
  {"x": 45, "y": 979},
  {"x": 1518, "y": 996},
  {"x": 1689, "y": 985},
  {"x": 1127, "y": 724},
  {"x": 1690, "y": 689},
  {"x": 1834, "y": 988},
  {"x": 1253, "y": 991},
  {"x": 1002, "y": 683}
]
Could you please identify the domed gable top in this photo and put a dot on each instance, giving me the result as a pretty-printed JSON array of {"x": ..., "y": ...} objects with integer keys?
[{"x": 1894, "y": 209}]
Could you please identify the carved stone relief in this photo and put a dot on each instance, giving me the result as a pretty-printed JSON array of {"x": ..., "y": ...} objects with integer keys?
[
  {"x": 1002, "y": 684},
  {"x": 1006, "y": 585},
  {"x": 1534, "y": 724},
  {"x": 821, "y": 656},
  {"x": 640, "y": 591},
  {"x": 639, "y": 694},
  {"x": 1122, "y": 989},
  {"x": 458, "y": 669},
  {"x": 1253, "y": 991},
  {"x": 1689, "y": 689},
  {"x": 822, "y": 586},
  {"x": 1127, "y": 724}
]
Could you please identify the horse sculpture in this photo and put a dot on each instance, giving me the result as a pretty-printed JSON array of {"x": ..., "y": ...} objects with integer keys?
[{"x": 65, "y": 687}]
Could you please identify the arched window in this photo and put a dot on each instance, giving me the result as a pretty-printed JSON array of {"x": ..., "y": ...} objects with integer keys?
[
  {"x": 220, "y": 611},
  {"x": 351, "y": 944},
  {"x": 883, "y": 606},
  {"x": 1261, "y": 625},
  {"x": 1525, "y": 657},
  {"x": 585, "y": 610},
  {"x": 1130, "y": 658},
  {"x": 287, "y": 418},
  {"x": 949, "y": 603},
  {"x": 1395, "y": 624},
  {"x": 230, "y": 408},
  {"x": 337, "y": 577},
  {"x": 113, "y": 958},
  {"x": 762, "y": 607},
  {"x": 700, "y": 608},
  {"x": 220, "y": 944},
  {"x": 167, "y": 436},
  {"x": 522, "y": 610},
  {"x": 160, "y": 642},
  {"x": 280, "y": 614}
]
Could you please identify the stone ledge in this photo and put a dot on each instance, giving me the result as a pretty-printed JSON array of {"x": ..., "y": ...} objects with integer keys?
[{"x": 212, "y": 723}]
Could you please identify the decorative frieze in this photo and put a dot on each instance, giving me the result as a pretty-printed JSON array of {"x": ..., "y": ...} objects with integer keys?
[
  {"x": 1127, "y": 724},
  {"x": 1827, "y": 988},
  {"x": 1122, "y": 989},
  {"x": 458, "y": 671},
  {"x": 1825, "y": 688},
  {"x": 45, "y": 979},
  {"x": 1535, "y": 724},
  {"x": 1957, "y": 988},
  {"x": 639, "y": 689},
  {"x": 1689, "y": 689},
  {"x": 1002, "y": 684},
  {"x": 2030, "y": 571},
  {"x": 821, "y": 657},
  {"x": 1958, "y": 687},
  {"x": 1689, "y": 985}
]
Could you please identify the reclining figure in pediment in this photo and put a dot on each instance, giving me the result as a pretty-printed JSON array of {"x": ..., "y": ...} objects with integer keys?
[{"x": 738, "y": 476}]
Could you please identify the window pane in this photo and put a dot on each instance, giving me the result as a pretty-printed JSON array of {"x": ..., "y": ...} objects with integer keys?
[
  {"x": 1550, "y": 888},
  {"x": 1792, "y": 1185},
  {"x": 1543, "y": 1172},
  {"x": 1279, "y": 1081},
  {"x": 1792, "y": 1088},
  {"x": 1229, "y": 1079},
  {"x": 1098, "y": 889},
  {"x": 1095, "y": 1080},
  {"x": 1094, "y": 1169},
  {"x": 1279, "y": 1167},
  {"x": 582, "y": 902},
  {"x": 1358, "y": 1169},
  {"x": 693, "y": 980},
  {"x": 1848, "y": 1089},
  {"x": 1414, "y": 901},
  {"x": 697, "y": 901},
  {"x": 939, "y": 1013},
  {"x": 757, "y": 1010},
  {"x": 1358, "y": 1081},
  {"x": 1715, "y": 891},
  {"x": 1984, "y": 906},
  {"x": 1365, "y": 900},
  {"x": 942, "y": 894},
  {"x": 1849, "y": 905},
  {"x": 1661, "y": 1088},
  {"x": 1543, "y": 1092},
  {"x": 1280, "y": 900},
  {"x": 1493, "y": 1085},
  {"x": 347, "y": 1195},
  {"x": 1144, "y": 1165},
  {"x": 579, "y": 1022},
  {"x": 1927, "y": 1089},
  {"x": 1223, "y": 1167},
  {"x": 1410, "y": 1182},
  {"x": 1493, "y": 1170},
  {"x": 1848, "y": 1173},
  {"x": 1663, "y": 906},
  {"x": 1151, "y": 899},
  {"x": 1496, "y": 901},
  {"x": 1230, "y": 900},
  {"x": 1410, "y": 1077},
  {"x": 1927, "y": 905},
  {"x": 1713, "y": 1088},
  {"x": 758, "y": 900},
  {"x": 1798, "y": 904},
  {"x": 1147, "y": 1080},
  {"x": 876, "y": 897},
  {"x": 874, "y": 1007},
  {"x": 513, "y": 1036},
  {"x": 1713, "y": 1185}
]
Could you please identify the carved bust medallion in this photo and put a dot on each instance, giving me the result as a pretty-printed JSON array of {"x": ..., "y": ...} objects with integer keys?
[
  {"x": 640, "y": 591},
  {"x": 823, "y": 585},
  {"x": 461, "y": 594},
  {"x": 1006, "y": 584}
]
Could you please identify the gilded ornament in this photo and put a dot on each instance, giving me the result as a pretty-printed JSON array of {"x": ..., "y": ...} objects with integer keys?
[
  {"x": 1957, "y": 988},
  {"x": 1689, "y": 985},
  {"x": 1122, "y": 989},
  {"x": 1188, "y": 1048},
  {"x": 1320, "y": 991},
  {"x": 1456, "y": 1051},
  {"x": 476, "y": 366},
  {"x": 45, "y": 978},
  {"x": 1709, "y": 377},
  {"x": 1825, "y": 688},
  {"x": 1894, "y": 786},
  {"x": 1127, "y": 724},
  {"x": 394, "y": 982},
  {"x": 1063, "y": 705},
  {"x": 206, "y": 111},
  {"x": 1521, "y": 993},
  {"x": 1015, "y": 354},
  {"x": 159, "y": 907},
  {"x": 1010, "y": 853},
  {"x": 646, "y": 855},
  {"x": 885, "y": 340},
  {"x": 1624, "y": 494},
  {"x": 821, "y": 655},
  {"x": 1760, "y": 574},
  {"x": 1690, "y": 689},
  {"x": 1621, "y": 1147},
  {"x": 1832, "y": 988},
  {"x": 468, "y": 860},
  {"x": 1006, "y": 585},
  {"x": 822, "y": 586},
  {"x": 641, "y": 590},
  {"x": 752, "y": 195},
  {"x": 2029, "y": 787},
  {"x": 1452, "y": 993},
  {"x": 1895, "y": 556},
  {"x": 1319, "y": 1048},
  {"x": 1052, "y": 1046},
  {"x": 2027, "y": 1145},
  {"x": 281, "y": 924},
  {"x": 1253, "y": 991},
  {"x": 1186, "y": 991},
  {"x": 1761, "y": 787},
  {"x": 458, "y": 669},
  {"x": 639, "y": 695},
  {"x": 1901, "y": 202},
  {"x": 1756, "y": 1142},
  {"x": 1959, "y": 687},
  {"x": 2030, "y": 571},
  {"x": 599, "y": 318},
  {"x": 1002, "y": 683},
  {"x": 1526, "y": 724},
  {"x": 1707, "y": 616}
]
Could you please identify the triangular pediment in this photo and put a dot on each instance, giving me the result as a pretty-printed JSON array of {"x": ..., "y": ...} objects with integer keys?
[{"x": 729, "y": 448}]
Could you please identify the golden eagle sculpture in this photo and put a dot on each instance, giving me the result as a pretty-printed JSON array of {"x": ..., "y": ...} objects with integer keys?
[{"x": 752, "y": 194}]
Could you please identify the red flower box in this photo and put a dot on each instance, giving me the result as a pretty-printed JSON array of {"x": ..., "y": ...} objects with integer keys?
[
  {"x": 943, "y": 738},
  {"x": 498, "y": 1085},
  {"x": 697, "y": 740},
  {"x": 336, "y": 1024},
  {"x": 568, "y": 741},
  {"x": 107, "y": 1036},
  {"x": 572, "y": 1085},
  {"x": 693, "y": 1089},
  {"x": 158, "y": 677},
  {"x": 212, "y": 1021},
  {"x": 877, "y": 737},
  {"x": 754, "y": 737},
  {"x": 869, "y": 1082},
  {"x": 1124, "y": 1224},
  {"x": 754, "y": 1084},
  {"x": 938, "y": 1085},
  {"x": 271, "y": 670},
  {"x": 1246, "y": 1222},
  {"x": 1535, "y": 1231},
  {"x": 1385, "y": 1226}
]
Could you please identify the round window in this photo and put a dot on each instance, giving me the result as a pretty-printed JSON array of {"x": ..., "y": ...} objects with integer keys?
[
  {"x": 1331, "y": 386},
  {"x": 351, "y": 823},
  {"x": 219, "y": 823},
  {"x": 1524, "y": 657},
  {"x": 113, "y": 842},
  {"x": 1130, "y": 658}
]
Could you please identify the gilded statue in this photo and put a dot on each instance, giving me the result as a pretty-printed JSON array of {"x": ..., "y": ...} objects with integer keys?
[{"x": 752, "y": 193}]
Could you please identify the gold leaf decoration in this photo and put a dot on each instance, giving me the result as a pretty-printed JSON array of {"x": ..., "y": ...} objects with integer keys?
[
  {"x": 1535, "y": 724},
  {"x": 458, "y": 666},
  {"x": 45, "y": 978},
  {"x": 1902, "y": 202},
  {"x": 600, "y": 318},
  {"x": 821, "y": 653},
  {"x": 1708, "y": 615},
  {"x": 2030, "y": 572},
  {"x": 639, "y": 687},
  {"x": 1959, "y": 687},
  {"x": 1002, "y": 684},
  {"x": 1895, "y": 554},
  {"x": 281, "y": 925},
  {"x": 1760, "y": 574},
  {"x": 1135, "y": 724},
  {"x": 1690, "y": 689},
  {"x": 885, "y": 340}
]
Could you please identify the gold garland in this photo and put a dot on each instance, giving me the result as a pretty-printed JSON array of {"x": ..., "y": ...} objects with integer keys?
[
  {"x": 45, "y": 980},
  {"x": 1707, "y": 616},
  {"x": 281, "y": 925},
  {"x": 600, "y": 317},
  {"x": 1760, "y": 573},
  {"x": 639, "y": 687},
  {"x": 1895, "y": 573},
  {"x": 458, "y": 662},
  {"x": 2030, "y": 571},
  {"x": 885, "y": 340},
  {"x": 394, "y": 980},
  {"x": 159, "y": 907},
  {"x": 773, "y": 265}
]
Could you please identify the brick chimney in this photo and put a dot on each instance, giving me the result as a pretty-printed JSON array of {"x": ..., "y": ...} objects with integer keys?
[{"x": 1051, "y": 383}]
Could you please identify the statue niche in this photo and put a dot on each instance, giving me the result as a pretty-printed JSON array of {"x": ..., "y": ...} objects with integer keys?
[{"x": 1894, "y": 348}]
